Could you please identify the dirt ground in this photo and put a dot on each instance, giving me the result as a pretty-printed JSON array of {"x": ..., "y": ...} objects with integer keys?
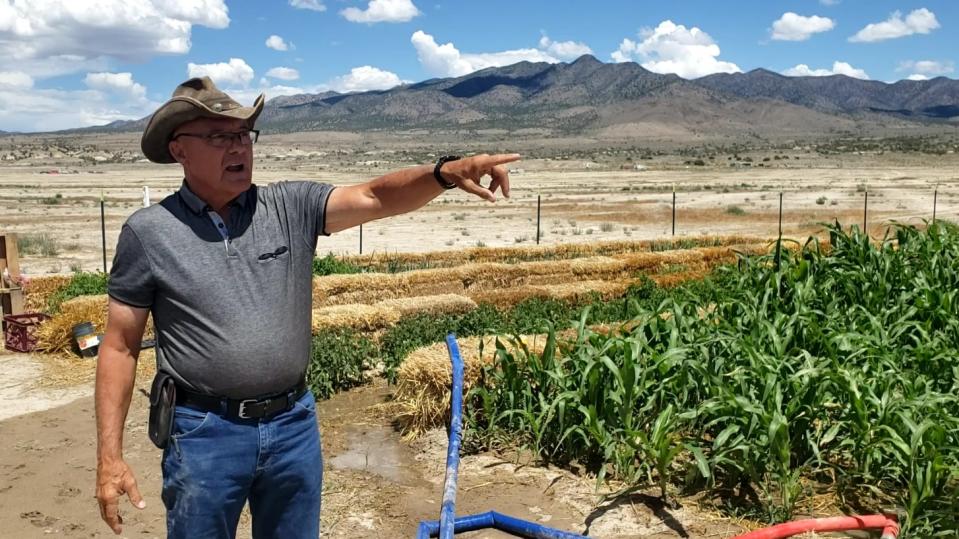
[
  {"x": 375, "y": 484},
  {"x": 583, "y": 199}
]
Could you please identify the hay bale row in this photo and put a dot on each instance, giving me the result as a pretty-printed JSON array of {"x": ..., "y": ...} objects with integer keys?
[
  {"x": 448, "y": 258},
  {"x": 37, "y": 291},
  {"x": 568, "y": 291},
  {"x": 472, "y": 278},
  {"x": 386, "y": 313}
]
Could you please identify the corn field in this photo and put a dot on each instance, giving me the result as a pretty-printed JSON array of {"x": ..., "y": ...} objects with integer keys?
[{"x": 780, "y": 381}]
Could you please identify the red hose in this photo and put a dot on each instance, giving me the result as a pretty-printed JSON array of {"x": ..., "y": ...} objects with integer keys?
[{"x": 888, "y": 525}]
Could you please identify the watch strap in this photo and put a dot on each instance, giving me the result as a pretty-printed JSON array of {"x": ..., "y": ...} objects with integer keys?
[{"x": 446, "y": 184}]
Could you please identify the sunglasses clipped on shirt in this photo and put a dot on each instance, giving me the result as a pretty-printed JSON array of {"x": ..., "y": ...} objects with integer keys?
[{"x": 225, "y": 140}]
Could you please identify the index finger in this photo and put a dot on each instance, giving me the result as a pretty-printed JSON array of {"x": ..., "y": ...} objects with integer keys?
[{"x": 502, "y": 159}]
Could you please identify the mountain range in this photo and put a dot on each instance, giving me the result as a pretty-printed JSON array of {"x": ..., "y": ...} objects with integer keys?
[{"x": 621, "y": 100}]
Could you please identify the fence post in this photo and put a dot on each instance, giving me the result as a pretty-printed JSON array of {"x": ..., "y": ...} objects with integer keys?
[
  {"x": 865, "y": 214},
  {"x": 361, "y": 238},
  {"x": 779, "y": 241},
  {"x": 539, "y": 204},
  {"x": 146, "y": 196},
  {"x": 935, "y": 197},
  {"x": 103, "y": 231},
  {"x": 674, "y": 209}
]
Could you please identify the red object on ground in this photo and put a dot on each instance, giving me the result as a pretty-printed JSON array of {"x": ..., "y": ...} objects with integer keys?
[
  {"x": 20, "y": 334},
  {"x": 888, "y": 525}
]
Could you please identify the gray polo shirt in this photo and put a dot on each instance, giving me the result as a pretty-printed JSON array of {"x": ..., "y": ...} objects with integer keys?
[{"x": 231, "y": 304}]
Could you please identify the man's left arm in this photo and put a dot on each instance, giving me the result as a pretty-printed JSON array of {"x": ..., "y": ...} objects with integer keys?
[{"x": 410, "y": 189}]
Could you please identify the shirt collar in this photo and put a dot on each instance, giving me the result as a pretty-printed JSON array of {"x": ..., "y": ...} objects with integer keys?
[{"x": 198, "y": 206}]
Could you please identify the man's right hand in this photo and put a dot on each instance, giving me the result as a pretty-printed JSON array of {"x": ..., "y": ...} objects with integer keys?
[{"x": 114, "y": 479}]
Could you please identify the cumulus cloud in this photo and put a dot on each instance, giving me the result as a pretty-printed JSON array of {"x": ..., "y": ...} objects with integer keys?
[
  {"x": 917, "y": 76},
  {"x": 793, "y": 27},
  {"x": 277, "y": 43},
  {"x": 40, "y": 109},
  {"x": 236, "y": 71},
  {"x": 838, "y": 68},
  {"x": 365, "y": 78},
  {"x": 15, "y": 79},
  {"x": 563, "y": 50},
  {"x": 672, "y": 48},
  {"x": 56, "y": 37},
  {"x": 313, "y": 5},
  {"x": 382, "y": 11},
  {"x": 927, "y": 67},
  {"x": 919, "y": 21},
  {"x": 283, "y": 73},
  {"x": 447, "y": 61},
  {"x": 121, "y": 83}
]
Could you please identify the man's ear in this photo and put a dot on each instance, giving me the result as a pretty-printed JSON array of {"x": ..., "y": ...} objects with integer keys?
[{"x": 176, "y": 150}]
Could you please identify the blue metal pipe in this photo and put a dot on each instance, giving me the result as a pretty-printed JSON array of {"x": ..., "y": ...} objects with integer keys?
[
  {"x": 497, "y": 521},
  {"x": 448, "y": 512}
]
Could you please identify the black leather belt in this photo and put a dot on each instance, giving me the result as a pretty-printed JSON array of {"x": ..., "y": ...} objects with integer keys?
[{"x": 261, "y": 408}]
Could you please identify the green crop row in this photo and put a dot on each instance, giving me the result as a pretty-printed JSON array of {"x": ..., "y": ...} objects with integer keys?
[{"x": 766, "y": 384}]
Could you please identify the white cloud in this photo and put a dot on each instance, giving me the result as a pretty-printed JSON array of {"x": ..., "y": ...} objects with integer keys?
[
  {"x": 15, "y": 79},
  {"x": 564, "y": 50},
  {"x": 829, "y": 2},
  {"x": 793, "y": 27},
  {"x": 919, "y": 21},
  {"x": 45, "y": 38},
  {"x": 382, "y": 11},
  {"x": 365, "y": 78},
  {"x": 40, "y": 109},
  {"x": 236, "y": 71},
  {"x": 314, "y": 5},
  {"x": 927, "y": 67},
  {"x": 917, "y": 76},
  {"x": 838, "y": 68},
  {"x": 447, "y": 61},
  {"x": 121, "y": 83},
  {"x": 283, "y": 73},
  {"x": 277, "y": 43},
  {"x": 671, "y": 48}
]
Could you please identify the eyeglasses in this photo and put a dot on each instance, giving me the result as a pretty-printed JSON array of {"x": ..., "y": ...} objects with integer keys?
[{"x": 225, "y": 140}]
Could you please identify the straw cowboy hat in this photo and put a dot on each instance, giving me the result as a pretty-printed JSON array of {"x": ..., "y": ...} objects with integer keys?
[{"x": 195, "y": 98}]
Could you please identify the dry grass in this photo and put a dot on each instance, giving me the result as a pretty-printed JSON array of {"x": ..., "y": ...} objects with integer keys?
[
  {"x": 422, "y": 398},
  {"x": 66, "y": 370},
  {"x": 38, "y": 290},
  {"x": 570, "y": 291}
]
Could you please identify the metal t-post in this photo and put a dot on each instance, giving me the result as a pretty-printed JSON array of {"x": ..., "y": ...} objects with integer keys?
[
  {"x": 539, "y": 204},
  {"x": 865, "y": 214},
  {"x": 674, "y": 210},
  {"x": 361, "y": 239},
  {"x": 103, "y": 231}
]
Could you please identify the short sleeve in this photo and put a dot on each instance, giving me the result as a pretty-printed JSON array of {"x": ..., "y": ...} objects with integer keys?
[
  {"x": 310, "y": 200},
  {"x": 131, "y": 277}
]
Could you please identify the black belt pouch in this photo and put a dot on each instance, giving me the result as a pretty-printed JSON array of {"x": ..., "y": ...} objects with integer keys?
[{"x": 162, "y": 404}]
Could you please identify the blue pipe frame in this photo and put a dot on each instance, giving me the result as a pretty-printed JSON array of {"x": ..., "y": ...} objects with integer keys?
[{"x": 448, "y": 525}]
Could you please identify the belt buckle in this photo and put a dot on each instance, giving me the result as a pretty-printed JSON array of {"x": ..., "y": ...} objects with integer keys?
[{"x": 241, "y": 413}]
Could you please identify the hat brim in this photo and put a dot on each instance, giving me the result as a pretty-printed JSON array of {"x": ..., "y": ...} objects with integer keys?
[{"x": 179, "y": 110}]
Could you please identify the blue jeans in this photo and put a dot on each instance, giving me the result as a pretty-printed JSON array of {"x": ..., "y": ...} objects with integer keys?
[{"x": 214, "y": 464}]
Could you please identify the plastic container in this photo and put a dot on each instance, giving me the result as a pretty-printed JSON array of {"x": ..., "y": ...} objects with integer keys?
[
  {"x": 86, "y": 340},
  {"x": 20, "y": 332}
]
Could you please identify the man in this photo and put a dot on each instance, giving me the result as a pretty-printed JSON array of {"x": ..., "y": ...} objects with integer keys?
[{"x": 225, "y": 268}]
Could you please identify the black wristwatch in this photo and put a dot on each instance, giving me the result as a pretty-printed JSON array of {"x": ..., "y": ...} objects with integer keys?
[{"x": 439, "y": 177}]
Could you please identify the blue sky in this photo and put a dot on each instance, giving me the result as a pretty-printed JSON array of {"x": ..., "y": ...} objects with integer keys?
[{"x": 70, "y": 63}]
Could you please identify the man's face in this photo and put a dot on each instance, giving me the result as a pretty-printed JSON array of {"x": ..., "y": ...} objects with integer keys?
[{"x": 212, "y": 170}]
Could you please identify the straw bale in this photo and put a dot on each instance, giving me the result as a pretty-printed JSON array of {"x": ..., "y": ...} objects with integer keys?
[
  {"x": 449, "y": 258},
  {"x": 56, "y": 335},
  {"x": 567, "y": 291},
  {"x": 359, "y": 317},
  {"x": 37, "y": 290},
  {"x": 386, "y": 313},
  {"x": 422, "y": 396}
]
